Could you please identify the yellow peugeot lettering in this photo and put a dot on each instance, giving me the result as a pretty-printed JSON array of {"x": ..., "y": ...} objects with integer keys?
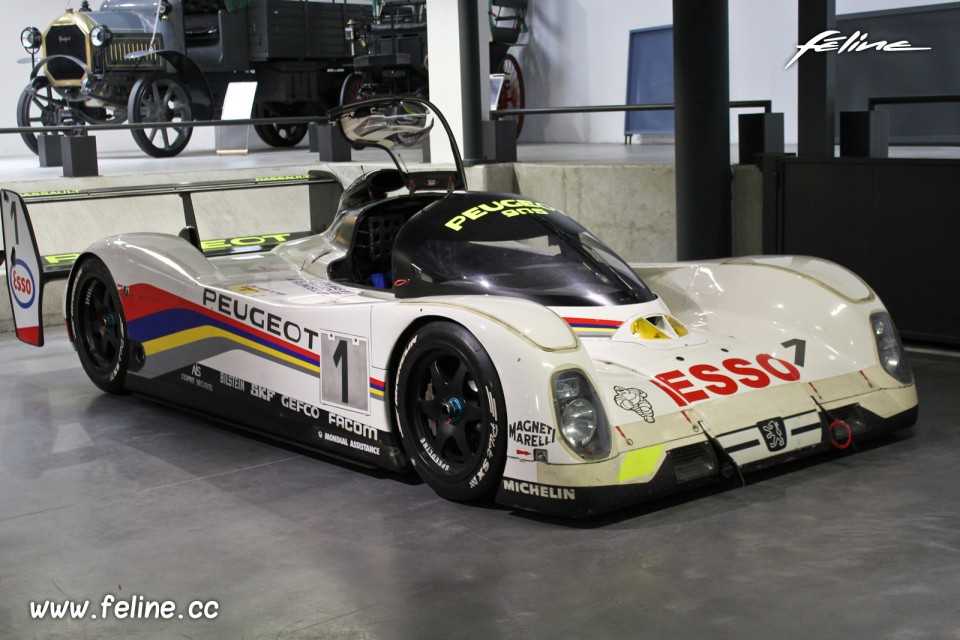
[
  {"x": 455, "y": 223},
  {"x": 61, "y": 257},
  {"x": 206, "y": 245},
  {"x": 247, "y": 241},
  {"x": 510, "y": 213},
  {"x": 490, "y": 208},
  {"x": 474, "y": 213}
]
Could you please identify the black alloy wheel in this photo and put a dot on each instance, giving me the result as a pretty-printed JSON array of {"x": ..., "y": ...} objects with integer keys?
[
  {"x": 99, "y": 326},
  {"x": 451, "y": 412}
]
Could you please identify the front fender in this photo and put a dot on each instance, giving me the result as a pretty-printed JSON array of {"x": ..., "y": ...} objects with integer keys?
[
  {"x": 776, "y": 300},
  {"x": 526, "y": 342}
]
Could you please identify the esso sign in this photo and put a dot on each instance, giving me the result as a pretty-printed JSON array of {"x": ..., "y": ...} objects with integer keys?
[
  {"x": 701, "y": 381},
  {"x": 22, "y": 284}
]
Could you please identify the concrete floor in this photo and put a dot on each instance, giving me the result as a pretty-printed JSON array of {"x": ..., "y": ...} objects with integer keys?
[{"x": 118, "y": 495}]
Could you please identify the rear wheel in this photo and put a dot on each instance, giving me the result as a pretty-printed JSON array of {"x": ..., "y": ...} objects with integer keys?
[
  {"x": 158, "y": 97},
  {"x": 512, "y": 94},
  {"x": 99, "y": 326},
  {"x": 279, "y": 135},
  {"x": 451, "y": 412}
]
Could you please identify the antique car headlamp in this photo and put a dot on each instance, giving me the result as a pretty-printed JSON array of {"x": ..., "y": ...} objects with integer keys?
[
  {"x": 889, "y": 347},
  {"x": 582, "y": 423},
  {"x": 31, "y": 39},
  {"x": 100, "y": 36}
]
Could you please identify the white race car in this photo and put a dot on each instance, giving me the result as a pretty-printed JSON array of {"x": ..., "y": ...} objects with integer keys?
[{"x": 486, "y": 339}]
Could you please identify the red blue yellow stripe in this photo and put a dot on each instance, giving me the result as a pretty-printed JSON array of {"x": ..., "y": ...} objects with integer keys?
[{"x": 593, "y": 327}]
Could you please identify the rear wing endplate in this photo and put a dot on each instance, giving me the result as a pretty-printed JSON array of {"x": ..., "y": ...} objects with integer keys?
[{"x": 24, "y": 274}]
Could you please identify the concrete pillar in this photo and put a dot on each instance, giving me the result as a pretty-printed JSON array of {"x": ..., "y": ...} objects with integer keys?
[
  {"x": 701, "y": 75},
  {"x": 459, "y": 79}
]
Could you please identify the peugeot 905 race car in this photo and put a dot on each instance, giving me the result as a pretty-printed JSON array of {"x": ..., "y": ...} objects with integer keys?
[{"x": 485, "y": 339}]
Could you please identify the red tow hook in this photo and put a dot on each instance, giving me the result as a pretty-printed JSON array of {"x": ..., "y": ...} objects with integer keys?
[{"x": 841, "y": 435}]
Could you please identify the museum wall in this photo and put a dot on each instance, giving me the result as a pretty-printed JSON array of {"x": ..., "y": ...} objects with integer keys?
[{"x": 576, "y": 54}]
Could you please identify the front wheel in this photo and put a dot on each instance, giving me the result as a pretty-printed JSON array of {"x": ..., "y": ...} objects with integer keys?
[
  {"x": 99, "y": 326},
  {"x": 159, "y": 97},
  {"x": 37, "y": 107},
  {"x": 451, "y": 412}
]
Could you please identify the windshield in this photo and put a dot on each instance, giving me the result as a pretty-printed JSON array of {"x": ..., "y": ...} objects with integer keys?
[{"x": 547, "y": 258}]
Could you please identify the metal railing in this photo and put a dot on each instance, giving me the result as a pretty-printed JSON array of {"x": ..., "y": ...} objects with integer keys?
[
  {"x": 766, "y": 105},
  {"x": 81, "y": 128},
  {"x": 872, "y": 103}
]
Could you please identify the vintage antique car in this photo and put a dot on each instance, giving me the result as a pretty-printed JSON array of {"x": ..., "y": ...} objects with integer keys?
[
  {"x": 486, "y": 339},
  {"x": 170, "y": 61}
]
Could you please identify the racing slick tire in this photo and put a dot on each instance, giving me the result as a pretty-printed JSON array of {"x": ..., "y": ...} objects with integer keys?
[
  {"x": 98, "y": 326},
  {"x": 451, "y": 412}
]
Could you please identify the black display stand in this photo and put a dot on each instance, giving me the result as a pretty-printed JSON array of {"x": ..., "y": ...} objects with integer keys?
[
  {"x": 79, "y": 156},
  {"x": 759, "y": 133},
  {"x": 864, "y": 134},
  {"x": 329, "y": 143},
  {"x": 48, "y": 148},
  {"x": 499, "y": 140}
]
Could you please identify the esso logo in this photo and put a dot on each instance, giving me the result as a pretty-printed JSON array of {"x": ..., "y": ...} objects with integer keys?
[
  {"x": 22, "y": 284},
  {"x": 701, "y": 381}
]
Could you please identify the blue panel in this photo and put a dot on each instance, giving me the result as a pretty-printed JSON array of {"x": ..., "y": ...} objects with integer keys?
[{"x": 650, "y": 80}]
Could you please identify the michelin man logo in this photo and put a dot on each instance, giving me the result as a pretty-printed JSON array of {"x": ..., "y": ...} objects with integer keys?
[{"x": 634, "y": 400}]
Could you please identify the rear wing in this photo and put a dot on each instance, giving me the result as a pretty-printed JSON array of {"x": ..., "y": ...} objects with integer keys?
[{"x": 28, "y": 271}]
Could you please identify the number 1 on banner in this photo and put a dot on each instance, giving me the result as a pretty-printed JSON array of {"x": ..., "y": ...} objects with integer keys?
[{"x": 344, "y": 378}]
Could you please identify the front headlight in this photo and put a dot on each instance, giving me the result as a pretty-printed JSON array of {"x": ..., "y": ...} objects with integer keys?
[
  {"x": 100, "y": 36},
  {"x": 31, "y": 39},
  {"x": 889, "y": 348},
  {"x": 583, "y": 424}
]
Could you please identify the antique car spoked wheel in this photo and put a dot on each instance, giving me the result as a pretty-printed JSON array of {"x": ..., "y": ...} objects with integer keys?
[
  {"x": 99, "y": 326},
  {"x": 351, "y": 89},
  {"x": 37, "y": 107},
  {"x": 512, "y": 95},
  {"x": 279, "y": 135},
  {"x": 158, "y": 97},
  {"x": 449, "y": 408}
]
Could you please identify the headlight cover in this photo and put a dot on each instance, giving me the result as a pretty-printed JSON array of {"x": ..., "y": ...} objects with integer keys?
[
  {"x": 582, "y": 422},
  {"x": 889, "y": 348}
]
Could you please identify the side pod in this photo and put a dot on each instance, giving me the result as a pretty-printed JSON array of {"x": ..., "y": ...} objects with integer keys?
[{"x": 24, "y": 273}]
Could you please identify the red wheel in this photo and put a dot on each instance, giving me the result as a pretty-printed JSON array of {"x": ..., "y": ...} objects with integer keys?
[
  {"x": 350, "y": 91},
  {"x": 511, "y": 96}
]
